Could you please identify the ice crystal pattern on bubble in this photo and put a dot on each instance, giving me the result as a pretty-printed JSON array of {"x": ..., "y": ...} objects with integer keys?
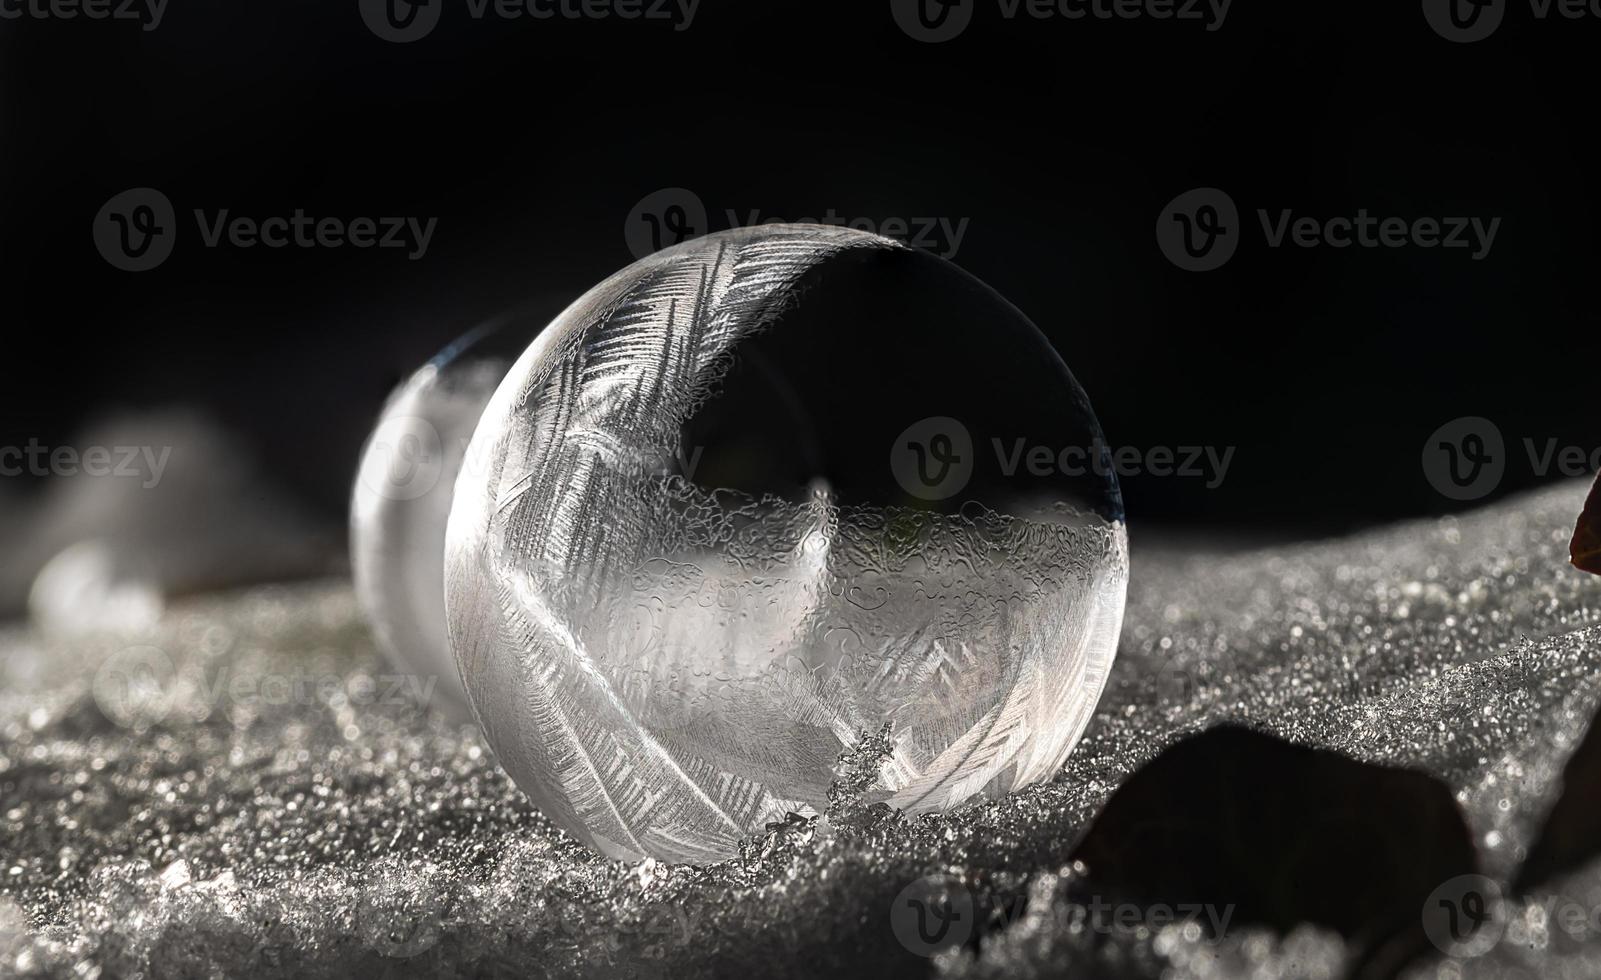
[{"x": 666, "y": 667}]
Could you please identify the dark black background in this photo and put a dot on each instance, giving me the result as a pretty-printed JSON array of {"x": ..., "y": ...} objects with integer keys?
[{"x": 1061, "y": 141}]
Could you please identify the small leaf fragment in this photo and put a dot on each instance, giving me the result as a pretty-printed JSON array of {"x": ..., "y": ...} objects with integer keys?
[{"x": 1586, "y": 547}]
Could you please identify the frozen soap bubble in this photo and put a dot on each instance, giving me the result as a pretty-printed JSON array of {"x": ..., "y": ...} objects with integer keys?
[
  {"x": 401, "y": 500},
  {"x": 759, "y": 493}
]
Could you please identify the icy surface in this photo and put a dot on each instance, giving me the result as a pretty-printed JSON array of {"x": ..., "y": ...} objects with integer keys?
[{"x": 346, "y": 833}]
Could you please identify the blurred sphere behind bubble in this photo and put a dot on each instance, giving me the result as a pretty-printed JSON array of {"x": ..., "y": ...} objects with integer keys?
[
  {"x": 92, "y": 587},
  {"x": 401, "y": 500},
  {"x": 184, "y": 506}
]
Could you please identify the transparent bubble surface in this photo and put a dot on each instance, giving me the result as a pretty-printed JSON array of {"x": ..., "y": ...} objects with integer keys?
[
  {"x": 401, "y": 499},
  {"x": 761, "y": 493}
]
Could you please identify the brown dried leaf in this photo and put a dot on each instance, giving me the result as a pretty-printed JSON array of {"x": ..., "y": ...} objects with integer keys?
[{"x": 1586, "y": 547}]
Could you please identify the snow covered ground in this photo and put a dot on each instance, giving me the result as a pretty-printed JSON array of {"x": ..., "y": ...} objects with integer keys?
[{"x": 245, "y": 788}]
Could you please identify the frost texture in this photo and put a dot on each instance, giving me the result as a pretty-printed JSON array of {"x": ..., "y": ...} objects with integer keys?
[{"x": 667, "y": 668}]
